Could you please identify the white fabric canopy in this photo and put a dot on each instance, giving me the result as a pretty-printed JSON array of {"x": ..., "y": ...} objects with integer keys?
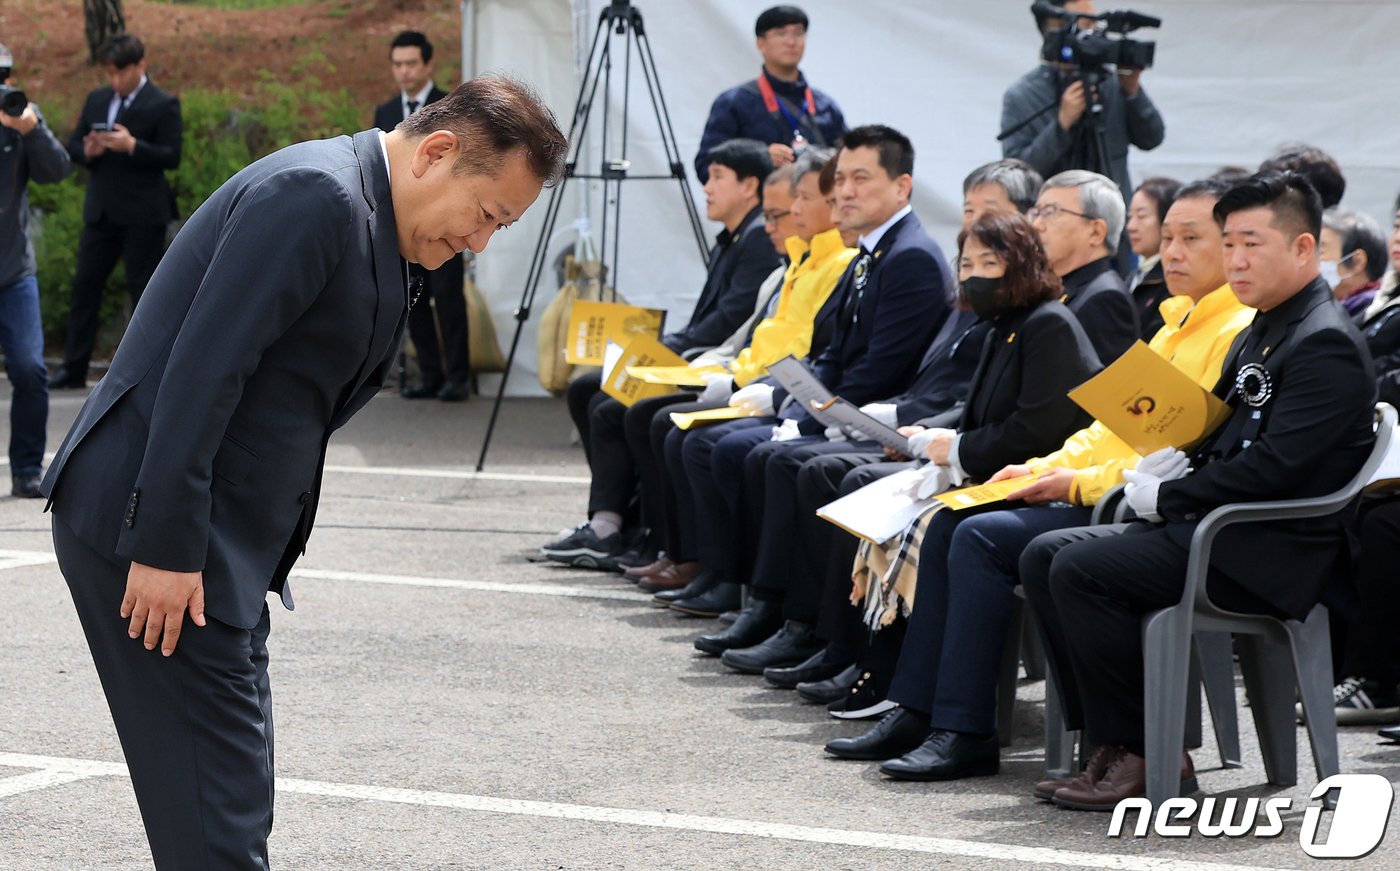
[{"x": 1233, "y": 81}]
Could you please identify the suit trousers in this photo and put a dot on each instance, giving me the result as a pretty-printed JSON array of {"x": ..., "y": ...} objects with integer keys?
[
  {"x": 437, "y": 324},
  {"x": 1090, "y": 588},
  {"x": 195, "y": 727},
  {"x": 100, "y": 246},
  {"x": 581, "y": 395},
  {"x": 647, "y": 439},
  {"x": 969, "y": 566},
  {"x": 713, "y": 459},
  {"x": 1372, "y": 645}
]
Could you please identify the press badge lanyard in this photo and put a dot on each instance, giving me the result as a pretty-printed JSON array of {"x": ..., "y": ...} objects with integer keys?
[{"x": 773, "y": 104}]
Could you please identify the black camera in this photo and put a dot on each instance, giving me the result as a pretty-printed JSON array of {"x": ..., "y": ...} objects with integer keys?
[
  {"x": 12, "y": 101},
  {"x": 1094, "y": 49}
]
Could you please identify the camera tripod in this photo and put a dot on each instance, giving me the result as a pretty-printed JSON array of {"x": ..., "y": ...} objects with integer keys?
[{"x": 619, "y": 19}]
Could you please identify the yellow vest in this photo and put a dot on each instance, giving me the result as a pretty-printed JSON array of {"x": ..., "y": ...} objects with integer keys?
[
  {"x": 806, "y": 287},
  {"x": 1196, "y": 338}
]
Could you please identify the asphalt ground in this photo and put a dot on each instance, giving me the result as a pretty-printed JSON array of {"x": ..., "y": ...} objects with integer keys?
[{"x": 443, "y": 703}]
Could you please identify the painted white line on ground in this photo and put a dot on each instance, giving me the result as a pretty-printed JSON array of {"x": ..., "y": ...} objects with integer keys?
[
  {"x": 82, "y": 768},
  {"x": 479, "y": 586},
  {"x": 22, "y": 783},
  {"x": 458, "y": 474},
  {"x": 15, "y": 559}
]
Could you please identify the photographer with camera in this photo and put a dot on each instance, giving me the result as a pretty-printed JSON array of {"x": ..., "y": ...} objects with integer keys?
[
  {"x": 28, "y": 150},
  {"x": 1084, "y": 104}
]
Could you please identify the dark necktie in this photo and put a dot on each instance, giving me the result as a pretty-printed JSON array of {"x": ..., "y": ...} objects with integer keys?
[
  {"x": 854, "y": 293},
  {"x": 412, "y": 107}
]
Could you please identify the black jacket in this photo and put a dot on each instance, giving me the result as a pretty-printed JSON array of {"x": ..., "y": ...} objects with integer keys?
[
  {"x": 1147, "y": 296},
  {"x": 130, "y": 189},
  {"x": 1303, "y": 431},
  {"x": 946, "y": 371},
  {"x": 388, "y": 114},
  {"x": 1096, "y": 295},
  {"x": 1018, "y": 406},
  {"x": 739, "y": 262}
]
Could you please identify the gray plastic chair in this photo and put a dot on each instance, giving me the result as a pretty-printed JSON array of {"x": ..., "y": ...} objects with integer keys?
[{"x": 1273, "y": 653}]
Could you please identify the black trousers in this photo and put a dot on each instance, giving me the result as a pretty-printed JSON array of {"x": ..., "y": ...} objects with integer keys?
[
  {"x": 195, "y": 727},
  {"x": 437, "y": 324},
  {"x": 1090, "y": 587},
  {"x": 580, "y": 396},
  {"x": 1372, "y": 644},
  {"x": 647, "y": 439},
  {"x": 100, "y": 246},
  {"x": 713, "y": 459}
]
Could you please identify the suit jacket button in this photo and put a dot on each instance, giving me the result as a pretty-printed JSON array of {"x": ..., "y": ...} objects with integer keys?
[{"x": 305, "y": 498}]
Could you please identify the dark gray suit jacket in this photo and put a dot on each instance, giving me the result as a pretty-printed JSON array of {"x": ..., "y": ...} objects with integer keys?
[{"x": 270, "y": 321}]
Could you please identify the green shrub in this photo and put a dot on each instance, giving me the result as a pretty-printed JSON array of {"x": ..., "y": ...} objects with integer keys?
[{"x": 224, "y": 132}]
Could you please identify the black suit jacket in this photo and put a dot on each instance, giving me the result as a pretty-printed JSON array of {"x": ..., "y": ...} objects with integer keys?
[
  {"x": 131, "y": 189},
  {"x": 1098, "y": 298},
  {"x": 270, "y": 321},
  {"x": 1147, "y": 296},
  {"x": 388, "y": 114},
  {"x": 1312, "y": 432},
  {"x": 1018, "y": 406},
  {"x": 946, "y": 371},
  {"x": 739, "y": 263}
]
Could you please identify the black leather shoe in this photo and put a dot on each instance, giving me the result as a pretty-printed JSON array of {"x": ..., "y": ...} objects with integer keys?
[
  {"x": 947, "y": 755},
  {"x": 711, "y": 603},
  {"x": 701, "y": 583},
  {"x": 25, "y": 486},
  {"x": 755, "y": 623},
  {"x": 824, "y": 692},
  {"x": 454, "y": 391},
  {"x": 63, "y": 378},
  {"x": 897, "y": 733},
  {"x": 792, "y": 644},
  {"x": 423, "y": 390},
  {"x": 728, "y": 617},
  {"x": 815, "y": 668},
  {"x": 1389, "y": 733},
  {"x": 868, "y": 699}
]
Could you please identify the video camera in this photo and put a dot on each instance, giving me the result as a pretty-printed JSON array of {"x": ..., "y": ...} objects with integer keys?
[
  {"x": 12, "y": 101},
  {"x": 1094, "y": 49}
]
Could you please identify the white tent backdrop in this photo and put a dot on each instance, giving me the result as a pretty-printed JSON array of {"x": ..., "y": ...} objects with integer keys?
[{"x": 1233, "y": 80}]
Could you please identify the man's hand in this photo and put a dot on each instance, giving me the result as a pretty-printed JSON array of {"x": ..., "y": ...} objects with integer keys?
[
  {"x": 781, "y": 154},
  {"x": 1130, "y": 81},
  {"x": 1073, "y": 102},
  {"x": 905, "y": 431},
  {"x": 94, "y": 146},
  {"x": 1052, "y": 486},
  {"x": 119, "y": 139},
  {"x": 25, "y": 123},
  {"x": 1014, "y": 471},
  {"x": 156, "y": 601}
]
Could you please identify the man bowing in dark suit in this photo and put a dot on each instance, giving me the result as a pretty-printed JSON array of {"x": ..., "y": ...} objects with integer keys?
[
  {"x": 127, "y": 136},
  {"x": 189, "y": 481},
  {"x": 443, "y": 369},
  {"x": 1302, "y": 389}
]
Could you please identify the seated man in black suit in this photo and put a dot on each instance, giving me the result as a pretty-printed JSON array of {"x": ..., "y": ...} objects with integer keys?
[
  {"x": 1303, "y": 388},
  {"x": 443, "y": 370},
  {"x": 127, "y": 136},
  {"x": 1080, "y": 217}
]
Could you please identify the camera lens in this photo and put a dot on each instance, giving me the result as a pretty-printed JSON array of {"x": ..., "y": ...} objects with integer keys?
[{"x": 13, "y": 102}]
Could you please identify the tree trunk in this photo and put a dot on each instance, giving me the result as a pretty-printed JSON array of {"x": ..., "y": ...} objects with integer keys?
[{"x": 103, "y": 19}]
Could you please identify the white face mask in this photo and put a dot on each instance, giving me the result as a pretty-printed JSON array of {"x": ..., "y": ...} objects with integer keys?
[{"x": 1331, "y": 270}]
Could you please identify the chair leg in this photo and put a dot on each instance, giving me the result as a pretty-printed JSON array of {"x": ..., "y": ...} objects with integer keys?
[
  {"x": 1006, "y": 685},
  {"x": 1215, "y": 657},
  {"x": 1269, "y": 681},
  {"x": 1312, "y": 662},
  {"x": 1192, "y": 736},
  {"x": 1166, "y": 648},
  {"x": 1059, "y": 742}
]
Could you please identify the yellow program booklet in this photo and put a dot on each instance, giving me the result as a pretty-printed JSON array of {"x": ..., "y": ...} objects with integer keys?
[
  {"x": 642, "y": 350},
  {"x": 593, "y": 324},
  {"x": 985, "y": 494},
  {"x": 680, "y": 376},
  {"x": 689, "y": 419},
  {"x": 1149, "y": 403}
]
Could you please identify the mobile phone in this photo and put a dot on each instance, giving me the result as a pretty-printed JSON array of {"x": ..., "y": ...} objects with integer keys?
[{"x": 101, "y": 127}]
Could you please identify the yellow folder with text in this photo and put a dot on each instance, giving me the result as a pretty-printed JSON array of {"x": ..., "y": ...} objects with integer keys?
[
  {"x": 680, "y": 376},
  {"x": 985, "y": 494},
  {"x": 593, "y": 324},
  {"x": 691, "y": 419},
  {"x": 642, "y": 350},
  {"x": 1149, "y": 403}
]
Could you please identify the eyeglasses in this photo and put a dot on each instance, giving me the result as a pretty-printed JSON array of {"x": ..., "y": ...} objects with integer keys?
[
  {"x": 773, "y": 219},
  {"x": 1051, "y": 210}
]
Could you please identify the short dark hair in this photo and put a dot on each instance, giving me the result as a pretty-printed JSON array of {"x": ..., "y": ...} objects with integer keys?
[
  {"x": 748, "y": 158},
  {"x": 1029, "y": 280},
  {"x": 896, "y": 151},
  {"x": 1359, "y": 232},
  {"x": 1321, "y": 170},
  {"x": 827, "y": 180},
  {"x": 413, "y": 39},
  {"x": 1018, "y": 178},
  {"x": 121, "y": 50},
  {"x": 812, "y": 159},
  {"x": 1162, "y": 191},
  {"x": 779, "y": 16},
  {"x": 1290, "y": 196},
  {"x": 492, "y": 116},
  {"x": 1212, "y": 188}
]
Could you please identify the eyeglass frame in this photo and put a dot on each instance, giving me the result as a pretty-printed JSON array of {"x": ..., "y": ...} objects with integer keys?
[
  {"x": 772, "y": 220},
  {"x": 1050, "y": 210}
]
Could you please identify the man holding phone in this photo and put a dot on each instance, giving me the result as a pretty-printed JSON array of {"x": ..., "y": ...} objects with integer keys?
[{"x": 127, "y": 136}]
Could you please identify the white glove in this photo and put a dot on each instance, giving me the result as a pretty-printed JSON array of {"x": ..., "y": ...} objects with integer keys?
[
  {"x": 708, "y": 359},
  {"x": 885, "y": 412},
  {"x": 835, "y": 434},
  {"x": 919, "y": 442},
  {"x": 1168, "y": 464},
  {"x": 756, "y": 399},
  {"x": 936, "y": 479},
  {"x": 1141, "y": 494},
  {"x": 719, "y": 386},
  {"x": 786, "y": 431}
]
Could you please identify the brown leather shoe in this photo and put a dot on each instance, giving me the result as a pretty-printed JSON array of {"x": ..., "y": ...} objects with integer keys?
[
  {"x": 673, "y": 577},
  {"x": 1126, "y": 778},
  {"x": 1093, "y": 772},
  {"x": 636, "y": 573}
]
